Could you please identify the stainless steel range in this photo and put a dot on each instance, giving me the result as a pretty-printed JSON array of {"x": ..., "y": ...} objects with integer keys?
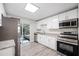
[{"x": 68, "y": 40}]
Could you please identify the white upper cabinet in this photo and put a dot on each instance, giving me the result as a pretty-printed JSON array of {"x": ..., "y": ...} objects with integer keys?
[
  {"x": 72, "y": 14},
  {"x": 53, "y": 23},
  {"x": 48, "y": 23},
  {"x": 68, "y": 15},
  {"x": 38, "y": 25},
  {"x": 62, "y": 16},
  {"x": 41, "y": 25}
]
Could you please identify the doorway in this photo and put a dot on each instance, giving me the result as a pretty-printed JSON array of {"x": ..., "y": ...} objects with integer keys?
[{"x": 25, "y": 34}]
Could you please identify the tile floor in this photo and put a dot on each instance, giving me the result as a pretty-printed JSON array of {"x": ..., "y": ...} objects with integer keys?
[{"x": 36, "y": 49}]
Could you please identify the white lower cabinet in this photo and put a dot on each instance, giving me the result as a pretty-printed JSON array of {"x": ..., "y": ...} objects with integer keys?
[
  {"x": 39, "y": 38},
  {"x": 45, "y": 40},
  {"x": 42, "y": 39},
  {"x": 48, "y": 41},
  {"x": 52, "y": 42}
]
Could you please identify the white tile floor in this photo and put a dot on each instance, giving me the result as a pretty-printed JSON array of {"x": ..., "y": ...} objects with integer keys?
[{"x": 36, "y": 49}]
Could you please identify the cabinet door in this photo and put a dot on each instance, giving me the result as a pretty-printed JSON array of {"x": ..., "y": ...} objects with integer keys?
[
  {"x": 52, "y": 42},
  {"x": 53, "y": 23},
  {"x": 42, "y": 25},
  {"x": 38, "y": 25},
  {"x": 42, "y": 39},
  {"x": 61, "y": 16},
  {"x": 45, "y": 39},
  {"x": 48, "y": 41},
  {"x": 39, "y": 38},
  {"x": 72, "y": 14}
]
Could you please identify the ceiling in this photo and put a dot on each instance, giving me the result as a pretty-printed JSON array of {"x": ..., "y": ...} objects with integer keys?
[{"x": 46, "y": 9}]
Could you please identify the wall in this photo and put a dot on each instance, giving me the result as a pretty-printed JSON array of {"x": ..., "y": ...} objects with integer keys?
[
  {"x": 2, "y": 10},
  {"x": 32, "y": 27}
]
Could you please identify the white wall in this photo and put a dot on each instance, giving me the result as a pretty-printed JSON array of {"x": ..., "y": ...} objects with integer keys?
[
  {"x": 2, "y": 10},
  {"x": 32, "y": 27}
]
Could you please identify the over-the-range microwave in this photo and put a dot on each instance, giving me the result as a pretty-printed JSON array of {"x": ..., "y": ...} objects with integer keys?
[{"x": 71, "y": 23}]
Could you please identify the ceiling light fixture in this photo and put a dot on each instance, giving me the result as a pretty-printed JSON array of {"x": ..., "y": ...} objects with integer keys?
[{"x": 31, "y": 8}]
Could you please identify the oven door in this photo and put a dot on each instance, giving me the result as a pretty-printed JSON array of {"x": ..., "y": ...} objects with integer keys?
[{"x": 67, "y": 49}]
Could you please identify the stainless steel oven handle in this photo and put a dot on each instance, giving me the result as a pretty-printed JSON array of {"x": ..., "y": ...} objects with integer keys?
[{"x": 73, "y": 43}]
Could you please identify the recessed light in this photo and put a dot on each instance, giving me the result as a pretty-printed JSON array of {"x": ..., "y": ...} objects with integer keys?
[{"x": 31, "y": 8}]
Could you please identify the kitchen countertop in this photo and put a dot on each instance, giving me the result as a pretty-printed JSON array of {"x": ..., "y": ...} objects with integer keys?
[{"x": 49, "y": 34}]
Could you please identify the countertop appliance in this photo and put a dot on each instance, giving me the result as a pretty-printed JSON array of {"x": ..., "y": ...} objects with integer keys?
[{"x": 67, "y": 42}]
